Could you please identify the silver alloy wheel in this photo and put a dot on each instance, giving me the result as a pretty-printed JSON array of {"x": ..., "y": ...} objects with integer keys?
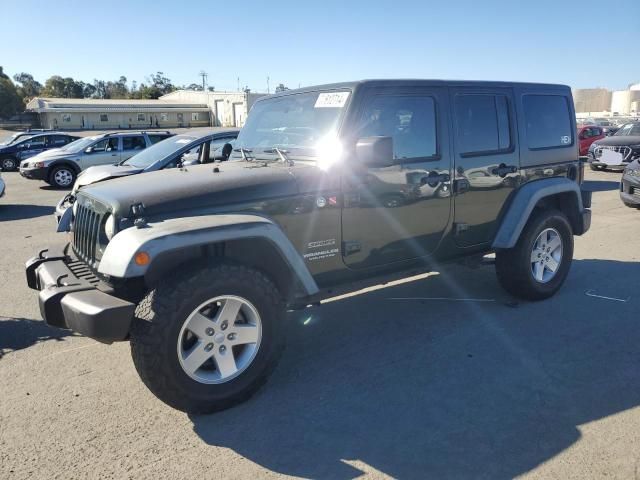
[
  {"x": 8, "y": 164},
  {"x": 219, "y": 339},
  {"x": 546, "y": 255},
  {"x": 63, "y": 178}
]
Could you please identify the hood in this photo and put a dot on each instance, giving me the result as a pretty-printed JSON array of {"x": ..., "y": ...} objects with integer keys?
[
  {"x": 196, "y": 187},
  {"x": 619, "y": 141},
  {"x": 104, "y": 172}
]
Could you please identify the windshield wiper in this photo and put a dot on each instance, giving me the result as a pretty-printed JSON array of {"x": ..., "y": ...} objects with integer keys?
[
  {"x": 281, "y": 153},
  {"x": 244, "y": 152}
]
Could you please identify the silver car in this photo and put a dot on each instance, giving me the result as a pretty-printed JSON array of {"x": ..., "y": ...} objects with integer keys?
[{"x": 60, "y": 167}]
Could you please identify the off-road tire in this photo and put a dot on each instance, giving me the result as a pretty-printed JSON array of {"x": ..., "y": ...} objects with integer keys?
[
  {"x": 57, "y": 170},
  {"x": 513, "y": 266},
  {"x": 9, "y": 164},
  {"x": 160, "y": 315}
]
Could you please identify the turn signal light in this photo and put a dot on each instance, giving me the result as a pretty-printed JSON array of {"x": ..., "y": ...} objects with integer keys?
[{"x": 142, "y": 259}]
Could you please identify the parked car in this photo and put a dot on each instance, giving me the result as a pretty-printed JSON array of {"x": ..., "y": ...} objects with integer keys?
[
  {"x": 61, "y": 167},
  {"x": 630, "y": 185},
  {"x": 616, "y": 151},
  {"x": 185, "y": 149},
  {"x": 196, "y": 267},
  {"x": 22, "y": 135},
  {"x": 21, "y": 148},
  {"x": 587, "y": 134}
]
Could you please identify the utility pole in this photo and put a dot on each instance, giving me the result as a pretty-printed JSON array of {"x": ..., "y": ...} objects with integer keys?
[
  {"x": 268, "y": 91},
  {"x": 238, "y": 83},
  {"x": 204, "y": 76}
]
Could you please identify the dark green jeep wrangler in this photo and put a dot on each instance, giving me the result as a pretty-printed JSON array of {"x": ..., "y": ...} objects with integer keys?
[{"x": 330, "y": 188}]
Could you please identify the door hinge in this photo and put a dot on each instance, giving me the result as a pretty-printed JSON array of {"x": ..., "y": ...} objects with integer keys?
[{"x": 349, "y": 248}]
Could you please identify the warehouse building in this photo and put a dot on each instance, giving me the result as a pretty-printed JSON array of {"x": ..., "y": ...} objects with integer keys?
[
  {"x": 85, "y": 113},
  {"x": 600, "y": 102},
  {"x": 227, "y": 109}
]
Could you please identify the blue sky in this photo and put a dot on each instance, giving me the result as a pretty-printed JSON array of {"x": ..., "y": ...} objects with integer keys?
[{"x": 580, "y": 43}]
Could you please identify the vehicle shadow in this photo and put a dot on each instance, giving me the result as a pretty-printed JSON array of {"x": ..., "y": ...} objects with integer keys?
[
  {"x": 19, "y": 333},
  {"x": 22, "y": 212},
  {"x": 408, "y": 382},
  {"x": 51, "y": 188},
  {"x": 600, "y": 185}
]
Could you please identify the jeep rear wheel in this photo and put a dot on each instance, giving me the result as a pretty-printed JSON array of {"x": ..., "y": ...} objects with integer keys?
[
  {"x": 536, "y": 267},
  {"x": 208, "y": 340}
]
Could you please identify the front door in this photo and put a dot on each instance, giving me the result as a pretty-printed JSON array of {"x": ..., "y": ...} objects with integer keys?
[
  {"x": 32, "y": 147},
  {"x": 486, "y": 160},
  {"x": 103, "y": 152},
  {"x": 399, "y": 212}
]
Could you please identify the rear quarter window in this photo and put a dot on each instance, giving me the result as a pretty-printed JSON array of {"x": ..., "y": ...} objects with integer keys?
[{"x": 547, "y": 121}]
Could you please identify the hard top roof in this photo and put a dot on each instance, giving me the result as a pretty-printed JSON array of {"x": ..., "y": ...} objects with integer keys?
[{"x": 414, "y": 82}]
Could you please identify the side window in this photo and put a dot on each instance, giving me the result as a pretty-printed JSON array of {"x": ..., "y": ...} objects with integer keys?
[
  {"x": 57, "y": 140},
  {"x": 547, "y": 121},
  {"x": 106, "y": 145},
  {"x": 133, "y": 143},
  {"x": 409, "y": 120},
  {"x": 482, "y": 123},
  {"x": 104, "y": 117},
  {"x": 142, "y": 117},
  {"x": 215, "y": 147},
  {"x": 157, "y": 138},
  {"x": 36, "y": 142}
]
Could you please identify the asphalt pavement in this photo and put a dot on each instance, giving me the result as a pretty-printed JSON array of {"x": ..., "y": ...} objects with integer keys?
[{"x": 442, "y": 377}]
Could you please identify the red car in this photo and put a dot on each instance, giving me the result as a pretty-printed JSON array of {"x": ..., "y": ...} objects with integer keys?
[{"x": 587, "y": 134}]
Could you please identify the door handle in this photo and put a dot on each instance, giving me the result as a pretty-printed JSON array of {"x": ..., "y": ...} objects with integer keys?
[
  {"x": 503, "y": 170},
  {"x": 434, "y": 178},
  {"x": 114, "y": 154}
]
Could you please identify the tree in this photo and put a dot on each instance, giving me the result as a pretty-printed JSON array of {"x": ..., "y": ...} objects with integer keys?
[
  {"x": 281, "y": 88},
  {"x": 10, "y": 101},
  {"x": 29, "y": 87},
  {"x": 58, "y": 87},
  {"x": 117, "y": 89},
  {"x": 194, "y": 86},
  {"x": 158, "y": 85}
]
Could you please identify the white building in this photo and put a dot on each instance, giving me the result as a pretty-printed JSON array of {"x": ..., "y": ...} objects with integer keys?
[
  {"x": 86, "y": 113},
  {"x": 227, "y": 109},
  {"x": 600, "y": 102}
]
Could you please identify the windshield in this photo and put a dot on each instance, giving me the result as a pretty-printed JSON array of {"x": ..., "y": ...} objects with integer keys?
[
  {"x": 159, "y": 151},
  {"x": 295, "y": 123},
  {"x": 12, "y": 138},
  {"x": 79, "y": 145},
  {"x": 628, "y": 129}
]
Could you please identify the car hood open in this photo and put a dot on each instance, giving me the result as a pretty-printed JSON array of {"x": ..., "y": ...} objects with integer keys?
[{"x": 104, "y": 172}]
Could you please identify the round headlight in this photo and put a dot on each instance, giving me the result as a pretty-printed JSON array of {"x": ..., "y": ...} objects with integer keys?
[{"x": 110, "y": 227}]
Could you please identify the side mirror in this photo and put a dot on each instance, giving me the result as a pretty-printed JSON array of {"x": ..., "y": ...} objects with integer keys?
[
  {"x": 375, "y": 151},
  {"x": 88, "y": 150}
]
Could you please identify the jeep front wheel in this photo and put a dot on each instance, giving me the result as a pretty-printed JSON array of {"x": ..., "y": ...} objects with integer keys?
[
  {"x": 536, "y": 267},
  {"x": 9, "y": 164},
  {"x": 208, "y": 340}
]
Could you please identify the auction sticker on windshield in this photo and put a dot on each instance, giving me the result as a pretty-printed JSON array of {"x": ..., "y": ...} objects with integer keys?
[{"x": 332, "y": 100}]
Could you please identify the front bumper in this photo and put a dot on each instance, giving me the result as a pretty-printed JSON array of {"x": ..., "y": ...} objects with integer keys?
[
  {"x": 41, "y": 173},
  {"x": 630, "y": 191},
  {"x": 72, "y": 297}
]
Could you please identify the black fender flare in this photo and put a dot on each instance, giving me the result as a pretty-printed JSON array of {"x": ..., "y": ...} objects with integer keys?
[
  {"x": 525, "y": 200},
  {"x": 156, "y": 239}
]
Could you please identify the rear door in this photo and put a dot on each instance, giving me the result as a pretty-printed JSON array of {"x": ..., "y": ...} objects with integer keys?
[
  {"x": 486, "y": 160},
  {"x": 132, "y": 144},
  {"x": 399, "y": 212}
]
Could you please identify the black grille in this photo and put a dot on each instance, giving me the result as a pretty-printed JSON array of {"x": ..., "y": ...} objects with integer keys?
[{"x": 86, "y": 231}]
